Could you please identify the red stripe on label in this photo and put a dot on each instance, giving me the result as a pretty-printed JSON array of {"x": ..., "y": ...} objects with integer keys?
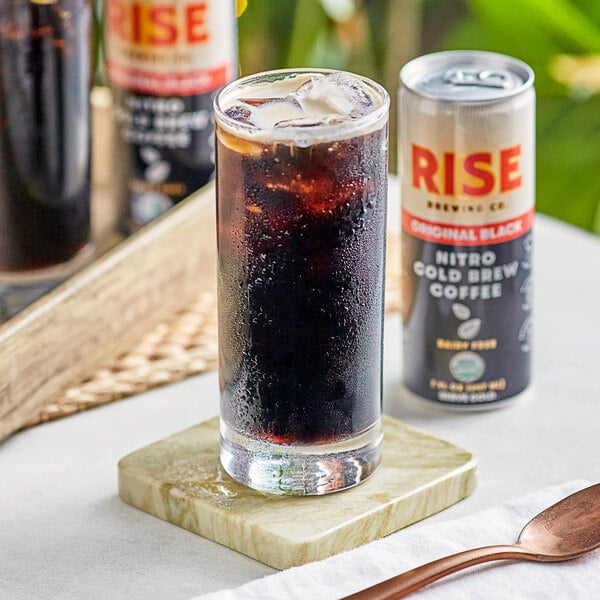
[
  {"x": 186, "y": 83},
  {"x": 467, "y": 235}
]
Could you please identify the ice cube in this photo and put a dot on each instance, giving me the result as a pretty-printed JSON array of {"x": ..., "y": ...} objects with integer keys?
[
  {"x": 264, "y": 113},
  {"x": 312, "y": 121},
  {"x": 259, "y": 102},
  {"x": 337, "y": 92},
  {"x": 273, "y": 110},
  {"x": 242, "y": 113}
]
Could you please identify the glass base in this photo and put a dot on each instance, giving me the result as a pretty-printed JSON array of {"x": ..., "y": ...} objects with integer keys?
[
  {"x": 300, "y": 470},
  {"x": 19, "y": 289}
]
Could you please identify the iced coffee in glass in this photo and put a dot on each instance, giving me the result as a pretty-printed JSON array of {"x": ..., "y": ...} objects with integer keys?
[{"x": 301, "y": 209}]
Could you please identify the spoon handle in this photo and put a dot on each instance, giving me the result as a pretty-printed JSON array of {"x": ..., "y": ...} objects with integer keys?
[{"x": 413, "y": 580}]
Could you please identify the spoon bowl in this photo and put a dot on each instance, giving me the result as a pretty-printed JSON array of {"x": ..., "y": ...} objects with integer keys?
[{"x": 564, "y": 531}]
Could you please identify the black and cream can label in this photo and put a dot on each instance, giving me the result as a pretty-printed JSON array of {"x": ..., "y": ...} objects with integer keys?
[{"x": 467, "y": 192}]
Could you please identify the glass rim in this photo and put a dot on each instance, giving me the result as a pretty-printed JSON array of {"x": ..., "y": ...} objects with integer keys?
[{"x": 317, "y": 133}]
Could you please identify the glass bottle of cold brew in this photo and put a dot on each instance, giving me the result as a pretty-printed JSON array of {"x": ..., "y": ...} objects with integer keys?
[{"x": 165, "y": 59}]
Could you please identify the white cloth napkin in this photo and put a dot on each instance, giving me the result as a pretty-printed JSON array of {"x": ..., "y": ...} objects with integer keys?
[{"x": 350, "y": 571}]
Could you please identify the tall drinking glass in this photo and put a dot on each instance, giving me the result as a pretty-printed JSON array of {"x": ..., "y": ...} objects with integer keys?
[
  {"x": 301, "y": 209},
  {"x": 45, "y": 146}
]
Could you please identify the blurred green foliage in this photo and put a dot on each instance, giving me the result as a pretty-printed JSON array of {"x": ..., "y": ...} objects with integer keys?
[
  {"x": 97, "y": 20},
  {"x": 543, "y": 33},
  {"x": 296, "y": 33},
  {"x": 374, "y": 37}
]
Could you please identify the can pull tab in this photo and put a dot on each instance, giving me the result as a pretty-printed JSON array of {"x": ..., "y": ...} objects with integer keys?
[{"x": 485, "y": 78}]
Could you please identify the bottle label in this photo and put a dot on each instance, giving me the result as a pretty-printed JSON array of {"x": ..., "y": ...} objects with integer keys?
[
  {"x": 165, "y": 61},
  {"x": 170, "y": 47}
]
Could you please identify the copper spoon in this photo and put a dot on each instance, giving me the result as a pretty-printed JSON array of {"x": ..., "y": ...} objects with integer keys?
[{"x": 564, "y": 531}]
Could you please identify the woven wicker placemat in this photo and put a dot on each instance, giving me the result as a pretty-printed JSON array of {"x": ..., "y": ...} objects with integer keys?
[{"x": 184, "y": 345}]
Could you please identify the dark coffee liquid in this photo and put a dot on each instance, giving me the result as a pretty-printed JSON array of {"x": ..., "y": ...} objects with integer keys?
[
  {"x": 300, "y": 274},
  {"x": 44, "y": 132}
]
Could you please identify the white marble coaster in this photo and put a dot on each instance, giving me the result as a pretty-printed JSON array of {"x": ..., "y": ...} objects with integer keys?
[{"x": 179, "y": 479}]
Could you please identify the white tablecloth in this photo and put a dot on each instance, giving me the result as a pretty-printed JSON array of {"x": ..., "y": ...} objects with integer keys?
[
  {"x": 358, "y": 569},
  {"x": 64, "y": 533}
]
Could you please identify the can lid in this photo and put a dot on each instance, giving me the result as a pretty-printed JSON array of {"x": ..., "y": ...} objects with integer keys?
[{"x": 466, "y": 76}]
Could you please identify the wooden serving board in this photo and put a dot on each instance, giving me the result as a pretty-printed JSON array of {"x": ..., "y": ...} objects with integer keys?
[
  {"x": 102, "y": 310},
  {"x": 179, "y": 479},
  {"x": 97, "y": 314}
]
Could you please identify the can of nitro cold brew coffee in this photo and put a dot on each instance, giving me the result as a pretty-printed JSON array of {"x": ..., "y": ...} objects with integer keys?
[{"x": 467, "y": 171}]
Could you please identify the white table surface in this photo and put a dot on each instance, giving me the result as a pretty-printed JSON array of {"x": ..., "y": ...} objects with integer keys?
[{"x": 64, "y": 533}]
